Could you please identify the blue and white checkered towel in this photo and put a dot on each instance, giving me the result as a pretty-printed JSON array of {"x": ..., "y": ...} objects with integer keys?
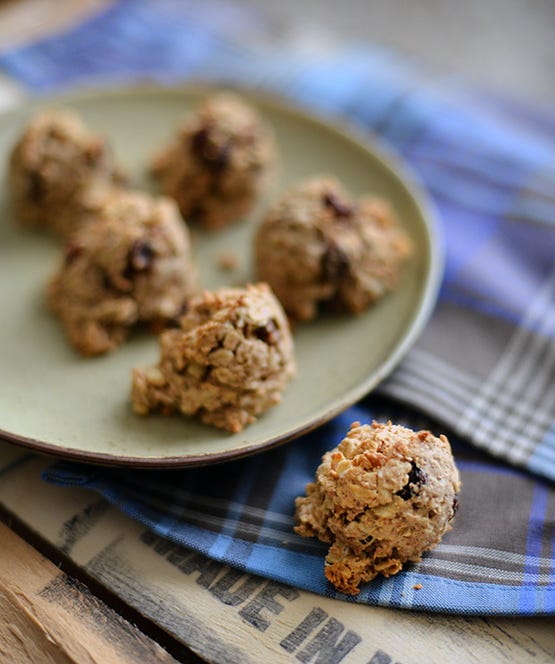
[{"x": 484, "y": 369}]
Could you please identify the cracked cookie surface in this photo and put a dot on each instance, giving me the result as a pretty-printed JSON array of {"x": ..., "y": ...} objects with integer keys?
[
  {"x": 219, "y": 162},
  {"x": 318, "y": 248},
  {"x": 380, "y": 499},
  {"x": 228, "y": 362},
  {"x": 52, "y": 167},
  {"x": 130, "y": 264}
]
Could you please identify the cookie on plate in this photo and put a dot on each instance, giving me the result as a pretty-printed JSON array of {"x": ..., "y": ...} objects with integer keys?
[
  {"x": 319, "y": 248},
  {"x": 381, "y": 498},
  {"x": 229, "y": 361},
  {"x": 52, "y": 167},
  {"x": 218, "y": 163},
  {"x": 131, "y": 264}
]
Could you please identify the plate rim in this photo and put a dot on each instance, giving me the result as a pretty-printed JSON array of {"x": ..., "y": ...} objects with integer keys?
[{"x": 372, "y": 144}]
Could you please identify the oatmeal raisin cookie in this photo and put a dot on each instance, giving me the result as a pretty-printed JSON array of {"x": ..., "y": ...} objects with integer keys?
[
  {"x": 384, "y": 496},
  {"x": 317, "y": 247},
  {"x": 219, "y": 162},
  {"x": 132, "y": 265},
  {"x": 52, "y": 167},
  {"x": 229, "y": 361}
]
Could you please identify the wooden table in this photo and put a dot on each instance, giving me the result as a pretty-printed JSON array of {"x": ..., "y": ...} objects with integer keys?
[{"x": 80, "y": 582}]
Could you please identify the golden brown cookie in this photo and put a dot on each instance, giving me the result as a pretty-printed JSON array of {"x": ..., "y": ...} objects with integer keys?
[
  {"x": 52, "y": 167},
  {"x": 218, "y": 163},
  {"x": 228, "y": 362},
  {"x": 384, "y": 496},
  {"x": 131, "y": 264},
  {"x": 317, "y": 247}
]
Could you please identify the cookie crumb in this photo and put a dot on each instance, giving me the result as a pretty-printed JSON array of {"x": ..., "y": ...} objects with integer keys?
[
  {"x": 227, "y": 261},
  {"x": 417, "y": 586}
]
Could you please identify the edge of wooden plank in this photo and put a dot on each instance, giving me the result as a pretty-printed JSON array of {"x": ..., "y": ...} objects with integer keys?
[{"x": 55, "y": 607}]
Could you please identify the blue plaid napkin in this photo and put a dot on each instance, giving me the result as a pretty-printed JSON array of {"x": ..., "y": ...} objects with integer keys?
[{"x": 484, "y": 369}]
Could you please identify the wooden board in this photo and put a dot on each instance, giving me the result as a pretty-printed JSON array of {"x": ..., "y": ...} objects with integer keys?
[
  {"x": 48, "y": 617},
  {"x": 226, "y": 616}
]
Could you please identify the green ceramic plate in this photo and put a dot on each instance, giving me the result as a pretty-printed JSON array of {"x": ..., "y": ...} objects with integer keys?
[{"x": 54, "y": 401}]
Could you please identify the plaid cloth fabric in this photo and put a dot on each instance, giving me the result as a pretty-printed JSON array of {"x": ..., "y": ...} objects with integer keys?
[
  {"x": 484, "y": 368},
  {"x": 498, "y": 559}
]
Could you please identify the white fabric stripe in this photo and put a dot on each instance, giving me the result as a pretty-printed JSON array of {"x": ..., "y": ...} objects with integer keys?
[
  {"x": 541, "y": 342},
  {"x": 473, "y": 420},
  {"x": 511, "y": 432},
  {"x": 384, "y": 597},
  {"x": 270, "y": 533},
  {"x": 278, "y": 536},
  {"x": 514, "y": 349},
  {"x": 535, "y": 387},
  {"x": 504, "y": 397},
  {"x": 490, "y": 554},
  {"x": 477, "y": 571},
  {"x": 180, "y": 510},
  {"x": 405, "y": 386},
  {"x": 499, "y": 439},
  {"x": 495, "y": 427},
  {"x": 255, "y": 512},
  {"x": 453, "y": 549},
  {"x": 416, "y": 389},
  {"x": 438, "y": 364},
  {"x": 547, "y": 402},
  {"x": 437, "y": 383},
  {"x": 450, "y": 378},
  {"x": 518, "y": 449},
  {"x": 283, "y": 537}
]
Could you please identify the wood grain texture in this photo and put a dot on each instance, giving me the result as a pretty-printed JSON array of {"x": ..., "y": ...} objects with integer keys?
[
  {"x": 48, "y": 617},
  {"x": 227, "y": 616}
]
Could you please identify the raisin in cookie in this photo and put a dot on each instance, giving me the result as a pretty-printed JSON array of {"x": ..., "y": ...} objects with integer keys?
[
  {"x": 318, "y": 247},
  {"x": 218, "y": 163},
  {"x": 384, "y": 496},
  {"x": 52, "y": 167},
  {"x": 131, "y": 264},
  {"x": 229, "y": 361}
]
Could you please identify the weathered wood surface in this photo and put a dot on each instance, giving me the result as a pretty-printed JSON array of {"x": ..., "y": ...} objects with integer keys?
[
  {"x": 226, "y": 616},
  {"x": 48, "y": 617}
]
